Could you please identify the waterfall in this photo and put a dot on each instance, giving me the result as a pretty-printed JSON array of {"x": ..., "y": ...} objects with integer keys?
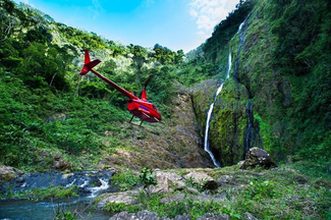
[
  {"x": 241, "y": 26},
  {"x": 206, "y": 142},
  {"x": 210, "y": 111},
  {"x": 219, "y": 90},
  {"x": 229, "y": 65}
]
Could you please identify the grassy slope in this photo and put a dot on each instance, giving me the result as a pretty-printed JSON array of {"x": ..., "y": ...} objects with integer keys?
[
  {"x": 41, "y": 125},
  {"x": 287, "y": 192}
]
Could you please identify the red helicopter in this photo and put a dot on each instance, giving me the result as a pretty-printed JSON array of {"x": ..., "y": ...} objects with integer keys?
[{"x": 138, "y": 107}]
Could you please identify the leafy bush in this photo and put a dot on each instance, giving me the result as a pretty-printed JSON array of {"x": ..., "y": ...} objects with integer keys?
[
  {"x": 259, "y": 190},
  {"x": 125, "y": 180},
  {"x": 115, "y": 207},
  {"x": 62, "y": 214},
  {"x": 147, "y": 177}
]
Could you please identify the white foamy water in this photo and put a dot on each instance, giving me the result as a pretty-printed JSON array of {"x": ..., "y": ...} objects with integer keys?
[
  {"x": 70, "y": 184},
  {"x": 241, "y": 26},
  {"x": 229, "y": 66},
  {"x": 84, "y": 184},
  {"x": 210, "y": 111},
  {"x": 94, "y": 190},
  {"x": 206, "y": 142}
]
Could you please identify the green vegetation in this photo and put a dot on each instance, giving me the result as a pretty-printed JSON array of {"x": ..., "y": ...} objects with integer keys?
[
  {"x": 282, "y": 193},
  {"x": 281, "y": 65},
  {"x": 43, "y": 193},
  {"x": 216, "y": 45},
  {"x": 65, "y": 216},
  {"x": 125, "y": 180},
  {"x": 283, "y": 68},
  {"x": 147, "y": 177},
  {"x": 190, "y": 207},
  {"x": 62, "y": 214},
  {"x": 115, "y": 207},
  {"x": 304, "y": 74},
  {"x": 153, "y": 203},
  {"x": 128, "y": 179},
  {"x": 47, "y": 109}
]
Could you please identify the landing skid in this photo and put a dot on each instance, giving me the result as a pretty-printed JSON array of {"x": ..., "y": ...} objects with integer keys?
[
  {"x": 141, "y": 121},
  {"x": 131, "y": 119}
]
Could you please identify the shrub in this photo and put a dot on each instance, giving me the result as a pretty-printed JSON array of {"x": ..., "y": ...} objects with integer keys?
[
  {"x": 147, "y": 177},
  {"x": 125, "y": 180}
]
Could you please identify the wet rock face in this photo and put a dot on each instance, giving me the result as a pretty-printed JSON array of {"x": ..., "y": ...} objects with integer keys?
[
  {"x": 178, "y": 142},
  {"x": 202, "y": 96},
  {"x": 257, "y": 157}
]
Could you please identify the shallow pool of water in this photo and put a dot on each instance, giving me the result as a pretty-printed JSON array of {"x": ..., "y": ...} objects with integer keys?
[{"x": 46, "y": 210}]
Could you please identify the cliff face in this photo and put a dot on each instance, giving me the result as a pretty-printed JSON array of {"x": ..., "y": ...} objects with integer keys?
[
  {"x": 277, "y": 96},
  {"x": 172, "y": 144}
]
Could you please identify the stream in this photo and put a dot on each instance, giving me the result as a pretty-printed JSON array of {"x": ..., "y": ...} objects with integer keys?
[
  {"x": 89, "y": 184},
  {"x": 46, "y": 210}
]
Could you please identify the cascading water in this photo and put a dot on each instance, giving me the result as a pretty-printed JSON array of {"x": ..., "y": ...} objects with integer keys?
[
  {"x": 89, "y": 185},
  {"x": 206, "y": 142},
  {"x": 95, "y": 190},
  {"x": 210, "y": 111},
  {"x": 219, "y": 89}
]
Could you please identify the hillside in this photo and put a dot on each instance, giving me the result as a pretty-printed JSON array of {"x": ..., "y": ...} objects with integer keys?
[
  {"x": 49, "y": 112},
  {"x": 262, "y": 79}
]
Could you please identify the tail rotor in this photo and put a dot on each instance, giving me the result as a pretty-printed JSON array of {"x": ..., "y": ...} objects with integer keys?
[{"x": 88, "y": 64}]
